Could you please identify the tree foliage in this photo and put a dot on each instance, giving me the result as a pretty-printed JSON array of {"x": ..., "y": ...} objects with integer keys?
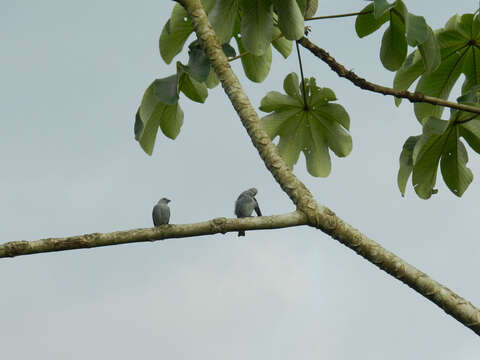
[{"x": 305, "y": 118}]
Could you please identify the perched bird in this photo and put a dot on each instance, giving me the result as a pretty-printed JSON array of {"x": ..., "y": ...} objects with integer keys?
[
  {"x": 245, "y": 205},
  {"x": 161, "y": 212}
]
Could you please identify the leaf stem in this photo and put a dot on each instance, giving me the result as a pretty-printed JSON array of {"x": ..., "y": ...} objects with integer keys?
[
  {"x": 239, "y": 56},
  {"x": 466, "y": 120},
  {"x": 339, "y": 15},
  {"x": 305, "y": 106}
]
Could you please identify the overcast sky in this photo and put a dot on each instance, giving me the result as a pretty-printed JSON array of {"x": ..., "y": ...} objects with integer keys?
[{"x": 72, "y": 76}]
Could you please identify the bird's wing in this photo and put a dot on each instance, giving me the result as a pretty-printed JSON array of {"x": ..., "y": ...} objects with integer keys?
[
  {"x": 240, "y": 205},
  {"x": 257, "y": 208},
  {"x": 160, "y": 213},
  {"x": 166, "y": 213},
  {"x": 155, "y": 215}
]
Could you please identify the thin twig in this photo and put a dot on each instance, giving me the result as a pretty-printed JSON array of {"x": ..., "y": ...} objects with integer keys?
[
  {"x": 367, "y": 85},
  {"x": 239, "y": 56},
  {"x": 339, "y": 15}
]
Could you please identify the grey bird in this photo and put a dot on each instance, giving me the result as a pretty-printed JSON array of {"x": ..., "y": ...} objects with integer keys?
[
  {"x": 161, "y": 212},
  {"x": 245, "y": 205}
]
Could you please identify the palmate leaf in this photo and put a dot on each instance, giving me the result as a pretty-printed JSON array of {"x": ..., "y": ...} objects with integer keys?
[
  {"x": 160, "y": 107},
  {"x": 459, "y": 54},
  {"x": 404, "y": 29},
  {"x": 440, "y": 143},
  {"x": 311, "y": 128}
]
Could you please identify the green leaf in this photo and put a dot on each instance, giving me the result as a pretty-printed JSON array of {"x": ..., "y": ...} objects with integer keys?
[
  {"x": 138, "y": 127},
  {"x": 430, "y": 50},
  {"x": 174, "y": 34},
  {"x": 311, "y": 129},
  {"x": 228, "y": 50},
  {"x": 198, "y": 63},
  {"x": 195, "y": 90},
  {"x": 471, "y": 96},
  {"x": 171, "y": 121},
  {"x": 417, "y": 30},
  {"x": 471, "y": 68},
  {"x": 453, "y": 165},
  {"x": 320, "y": 96},
  {"x": 291, "y": 86},
  {"x": 338, "y": 139},
  {"x": 439, "y": 84},
  {"x": 291, "y": 139},
  {"x": 154, "y": 113},
  {"x": 337, "y": 113},
  {"x": 222, "y": 18},
  {"x": 381, "y": 7},
  {"x": 166, "y": 89},
  {"x": 290, "y": 18},
  {"x": 212, "y": 79},
  {"x": 275, "y": 101},
  {"x": 394, "y": 43},
  {"x": 257, "y": 25},
  {"x": 302, "y": 5},
  {"x": 192, "y": 88},
  {"x": 368, "y": 23},
  {"x": 459, "y": 55},
  {"x": 406, "y": 163},
  {"x": 310, "y": 9},
  {"x": 256, "y": 67},
  {"x": 317, "y": 156},
  {"x": 411, "y": 69},
  {"x": 282, "y": 45},
  {"x": 273, "y": 122},
  {"x": 426, "y": 156},
  {"x": 470, "y": 131}
]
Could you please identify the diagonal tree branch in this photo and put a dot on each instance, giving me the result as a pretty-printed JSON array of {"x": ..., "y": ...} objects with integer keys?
[
  {"x": 317, "y": 215},
  {"x": 367, "y": 85},
  {"x": 214, "y": 226}
]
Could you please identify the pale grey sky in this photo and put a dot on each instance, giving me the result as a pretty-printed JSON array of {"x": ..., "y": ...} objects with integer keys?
[{"x": 72, "y": 75}]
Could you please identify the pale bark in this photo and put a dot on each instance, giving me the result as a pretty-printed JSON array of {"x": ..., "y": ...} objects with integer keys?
[
  {"x": 214, "y": 226},
  {"x": 319, "y": 216}
]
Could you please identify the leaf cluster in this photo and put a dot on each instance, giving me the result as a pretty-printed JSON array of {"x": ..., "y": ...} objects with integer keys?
[
  {"x": 440, "y": 144},
  {"x": 305, "y": 117},
  {"x": 256, "y": 27},
  {"x": 459, "y": 44},
  {"x": 404, "y": 29},
  {"x": 307, "y": 122}
]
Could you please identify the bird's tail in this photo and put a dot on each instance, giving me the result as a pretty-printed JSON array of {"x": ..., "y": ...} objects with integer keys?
[{"x": 241, "y": 233}]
